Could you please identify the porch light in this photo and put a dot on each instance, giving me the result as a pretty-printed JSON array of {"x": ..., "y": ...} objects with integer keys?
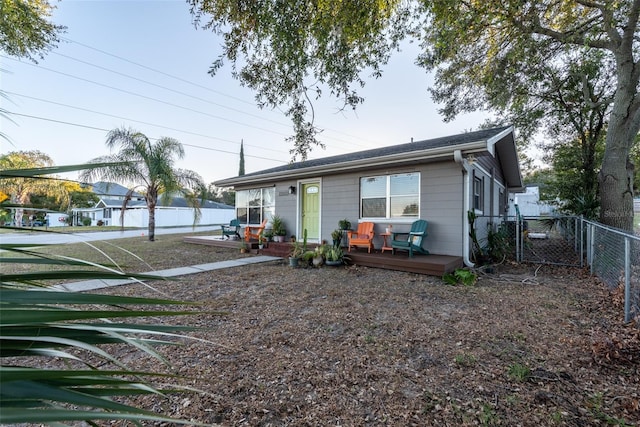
[{"x": 292, "y": 190}]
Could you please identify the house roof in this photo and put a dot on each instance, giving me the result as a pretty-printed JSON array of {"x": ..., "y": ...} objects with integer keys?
[
  {"x": 176, "y": 202},
  {"x": 500, "y": 142},
  {"x": 112, "y": 189}
]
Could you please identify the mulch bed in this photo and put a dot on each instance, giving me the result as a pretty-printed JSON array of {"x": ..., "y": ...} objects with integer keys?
[{"x": 529, "y": 345}]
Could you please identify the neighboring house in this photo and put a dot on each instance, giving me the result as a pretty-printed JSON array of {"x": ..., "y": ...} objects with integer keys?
[
  {"x": 529, "y": 203},
  {"x": 438, "y": 180},
  {"x": 176, "y": 213}
]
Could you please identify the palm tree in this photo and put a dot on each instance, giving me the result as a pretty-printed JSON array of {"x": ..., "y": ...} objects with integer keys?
[
  {"x": 39, "y": 325},
  {"x": 148, "y": 165}
]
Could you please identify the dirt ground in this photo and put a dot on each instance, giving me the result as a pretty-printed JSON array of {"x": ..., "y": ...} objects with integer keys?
[{"x": 529, "y": 345}]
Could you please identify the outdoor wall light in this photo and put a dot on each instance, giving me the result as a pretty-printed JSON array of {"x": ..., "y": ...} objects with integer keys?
[{"x": 292, "y": 190}]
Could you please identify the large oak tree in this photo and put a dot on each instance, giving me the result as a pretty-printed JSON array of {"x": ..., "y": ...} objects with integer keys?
[{"x": 289, "y": 51}]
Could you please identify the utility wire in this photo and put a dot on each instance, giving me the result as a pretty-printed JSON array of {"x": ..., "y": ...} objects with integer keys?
[
  {"x": 138, "y": 121},
  {"x": 107, "y": 130},
  {"x": 147, "y": 97},
  {"x": 204, "y": 87},
  {"x": 171, "y": 90}
]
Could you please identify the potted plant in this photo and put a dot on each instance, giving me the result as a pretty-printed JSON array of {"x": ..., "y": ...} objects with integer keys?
[
  {"x": 278, "y": 228},
  {"x": 244, "y": 248},
  {"x": 318, "y": 255},
  {"x": 296, "y": 252},
  {"x": 336, "y": 235},
  {"x": 334, "y": 256},
  {"x": 268, "y": 235},
  {"x": 344, "y": 224},
  {"x": 261, "y": 241}
]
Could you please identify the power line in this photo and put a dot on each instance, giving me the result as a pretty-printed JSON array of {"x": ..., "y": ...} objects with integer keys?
[
  {"x": 107, "y": 130},
  {"x": 199, "y": 86},
  {"x": 171, "y": 90},
  {"x": 158, "y": 71},
  {"x": 137, "y": 121},
  {"x": 146, "y": 97}
]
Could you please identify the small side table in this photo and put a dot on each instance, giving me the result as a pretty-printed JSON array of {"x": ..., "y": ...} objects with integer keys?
[{"x": 385, "y": 244}]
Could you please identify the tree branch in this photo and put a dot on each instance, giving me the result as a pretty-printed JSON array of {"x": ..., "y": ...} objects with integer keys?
[
  {"x": 588, "y": 98},
  {"x": 570, "y": 37}
]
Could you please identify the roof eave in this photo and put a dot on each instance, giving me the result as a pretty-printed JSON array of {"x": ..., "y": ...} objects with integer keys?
[{"x": 395, "y": 159}]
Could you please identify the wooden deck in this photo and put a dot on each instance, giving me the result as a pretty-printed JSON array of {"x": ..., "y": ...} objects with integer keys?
[{"x": 434, "y": 265}]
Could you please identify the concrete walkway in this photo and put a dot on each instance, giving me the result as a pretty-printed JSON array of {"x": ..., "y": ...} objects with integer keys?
[{"x": 88, "y": 285}]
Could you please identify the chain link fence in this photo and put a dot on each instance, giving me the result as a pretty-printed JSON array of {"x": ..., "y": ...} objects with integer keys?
[{"x": 612, "y": 255}]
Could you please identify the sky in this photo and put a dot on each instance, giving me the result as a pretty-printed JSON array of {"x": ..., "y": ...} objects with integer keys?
[{"x": 143, "y": 65}]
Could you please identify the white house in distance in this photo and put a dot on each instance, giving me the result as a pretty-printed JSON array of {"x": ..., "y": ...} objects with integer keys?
[
  {"x": 529, "y": 203},
  {"x": 177, "y": 213}
]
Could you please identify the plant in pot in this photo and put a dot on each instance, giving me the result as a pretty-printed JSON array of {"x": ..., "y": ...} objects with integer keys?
[
  {"x": 318, "y": 255},
  {"x": 336, "y": 235},
  {"x": 334, "y": 256},
  {"x": 344, "y": 224},
  {"x": 296, "y": 252},
  {"x": 244, "y": 247},
  {"x": 268, "y": 235},
  {"x": 278, "y": 228},
  {"x": 261, "y": 241}
]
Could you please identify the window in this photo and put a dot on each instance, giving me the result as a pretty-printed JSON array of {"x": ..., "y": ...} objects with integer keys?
[
  {"x": 390, "y": 196},
  {"x": 106, "y": 213},
  {"x": 252, "y": 206},
  {"x": 478, "y": 190}
]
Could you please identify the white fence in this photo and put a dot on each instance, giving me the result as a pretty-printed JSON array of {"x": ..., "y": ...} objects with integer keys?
[{"x": 165, "y": 217}]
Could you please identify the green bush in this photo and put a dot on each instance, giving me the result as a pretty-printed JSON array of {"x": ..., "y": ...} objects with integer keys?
[{"x": 460, "y": 276}]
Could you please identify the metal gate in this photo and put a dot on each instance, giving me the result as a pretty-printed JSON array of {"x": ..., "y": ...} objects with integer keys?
[{"x": 549, "y": 240}]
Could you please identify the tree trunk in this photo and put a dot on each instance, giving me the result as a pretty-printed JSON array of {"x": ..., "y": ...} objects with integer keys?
[
  {"x": 616, "y": 175},
  {"x": 151, "y": 231}
]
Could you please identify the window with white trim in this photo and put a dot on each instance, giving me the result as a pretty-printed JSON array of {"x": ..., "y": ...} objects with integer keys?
[
  {"x": 390, "y": 196},
  {"x": 255, "y": 205},
  {"x": 478, "y": 193}
]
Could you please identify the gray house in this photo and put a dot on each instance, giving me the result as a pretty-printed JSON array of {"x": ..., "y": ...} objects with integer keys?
[{"x": 438, "y": 180}]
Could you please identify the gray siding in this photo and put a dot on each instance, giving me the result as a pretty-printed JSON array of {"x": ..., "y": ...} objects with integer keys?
[
  {"x": 340, "y": 200},
  {"x": 440, "y": 204},
  {"x": 286, "y": 206}
]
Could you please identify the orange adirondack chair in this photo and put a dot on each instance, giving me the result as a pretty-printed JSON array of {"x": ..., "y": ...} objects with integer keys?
[
  {"x": 362, "y": 237},
  {"x": 254, "y": 231}
]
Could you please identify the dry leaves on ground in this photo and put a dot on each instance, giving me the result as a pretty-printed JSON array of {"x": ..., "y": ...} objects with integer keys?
[{"x": 528, "y": 345}]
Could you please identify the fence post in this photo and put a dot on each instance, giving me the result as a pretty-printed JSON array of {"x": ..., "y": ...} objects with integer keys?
[
  {"x": 591, "y": 243},
  {"x": 627, "y": 279},
  {"x": 580, "y": 227},
  {"x": 517, "y": 222}
]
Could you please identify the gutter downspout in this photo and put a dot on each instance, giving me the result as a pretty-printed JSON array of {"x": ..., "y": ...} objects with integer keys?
[{"x": 457, "y": 157}]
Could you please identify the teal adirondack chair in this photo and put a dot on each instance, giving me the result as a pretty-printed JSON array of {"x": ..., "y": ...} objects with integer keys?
[
  {"x": 411, "y": 241},
  {"x": 233, "y": 229}
]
